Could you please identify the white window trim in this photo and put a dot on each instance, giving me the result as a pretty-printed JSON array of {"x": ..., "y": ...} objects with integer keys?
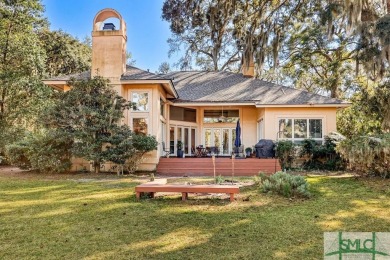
[
  {"x": 217, "y": 124},
  {"x": 182, "y": 126},
  {"x": 164, "y": 116},
  {"x": 260, "y": 130},
  {"x": 221, "y": 128},
  {"x": 293, "y": 139},
  {"x": 141, "y": 117},
  {"x": 141, "y": 92}
]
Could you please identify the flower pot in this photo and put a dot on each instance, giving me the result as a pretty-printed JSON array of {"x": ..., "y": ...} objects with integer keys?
[{"x": 180, "y": 153}]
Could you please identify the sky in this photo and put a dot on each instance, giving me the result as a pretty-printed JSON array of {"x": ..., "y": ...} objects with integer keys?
[{"x": 147, "y": 33}]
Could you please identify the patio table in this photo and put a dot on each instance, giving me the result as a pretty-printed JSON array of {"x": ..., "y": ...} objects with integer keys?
[{"x": 201, "y": 152}]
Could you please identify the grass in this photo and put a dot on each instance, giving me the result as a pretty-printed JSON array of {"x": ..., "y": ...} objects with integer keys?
[{"x": 92, "y": 217}]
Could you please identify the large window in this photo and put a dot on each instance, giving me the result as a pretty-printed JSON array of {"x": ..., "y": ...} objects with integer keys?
[
  {"x": 182, "y": 114},
  {"x": 297, "y": 129},
  {"x": 219, "y": 116},
  {"x": 162, "y": 108},
  {"x": 140, "y": 126},
  {"x": 141, "y": 101}
]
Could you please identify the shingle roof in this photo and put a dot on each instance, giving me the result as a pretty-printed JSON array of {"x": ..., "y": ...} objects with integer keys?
[
  {"x": 200, "y": 86},
  {"x": 133, "y": 73},
  {"x": 224, "y": 87}
]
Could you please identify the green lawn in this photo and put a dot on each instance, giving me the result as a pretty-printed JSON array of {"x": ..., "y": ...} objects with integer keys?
[{"x": 96, "y": 217}]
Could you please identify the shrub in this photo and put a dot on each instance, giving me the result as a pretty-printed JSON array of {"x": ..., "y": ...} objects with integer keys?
[
  {"x": 285, "y": 151},
  {"x": 142, "y": 144},
  {"x": 285, "y": 184},
  {"x": 50, "y": 151},
  {"x": 321, "y": 156},
  {"x": 46, "y": 151},
  {"x": 367, "y": 155},
  {"x": 17, "y": 154},
  {"x": 219, "y": 179}
]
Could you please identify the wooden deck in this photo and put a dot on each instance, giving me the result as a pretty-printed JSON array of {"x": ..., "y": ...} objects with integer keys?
[{"x": 223, "y": 166}]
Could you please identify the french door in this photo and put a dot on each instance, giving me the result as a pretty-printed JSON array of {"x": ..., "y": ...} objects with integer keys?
[
  {"x": 223, "y": 138},
  {"x": 185, "y": 134}
]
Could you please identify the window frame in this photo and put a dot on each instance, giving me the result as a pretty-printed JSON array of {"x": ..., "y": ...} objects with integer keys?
[
  {"x": 298, "y": 140},
  {"x": 184, "y": 108},
  {"x": 149, "y": 100},
  {"x": 220, "y": 111},
  {"x": 140, "y": 117}
]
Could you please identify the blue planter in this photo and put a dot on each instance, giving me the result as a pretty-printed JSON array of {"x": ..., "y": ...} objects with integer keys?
[{"x": 180, "y": 153}]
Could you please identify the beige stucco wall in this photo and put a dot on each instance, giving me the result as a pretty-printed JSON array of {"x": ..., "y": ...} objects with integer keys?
[
  {"x": 108, "y": 54},
  {"x": 271, "y": 116},
  {"x": 249, "y": 116},
  {"x": 153, "y": 116}
]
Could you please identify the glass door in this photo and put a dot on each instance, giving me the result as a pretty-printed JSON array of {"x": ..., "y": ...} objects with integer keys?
[
  {"x": 163, "y": 138},
  {"x": 223, "y": 138},
  {"x": 225, "y": 141},
  {"x": 186, "y": 140},
  {"x": 172, "y": 148},
  {"x": 185, "y": 134}
]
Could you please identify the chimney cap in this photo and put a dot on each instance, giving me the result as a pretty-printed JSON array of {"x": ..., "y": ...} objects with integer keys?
[{"x": 109, "y": 26}]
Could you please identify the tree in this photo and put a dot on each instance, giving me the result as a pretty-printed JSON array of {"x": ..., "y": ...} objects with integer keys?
[
  {"x": 218, "y": 34},
  {"x": 129, "y": 59},
  {"x": 90, "y": 113},
  {"x": 65, "y": 55},
  {"x": 164, "y": 68},
  {"x": 318, "y": 62},
  {"x": 377, "y": 102},
  {"x": 360, "y": 119},
  {"x": 204, "y": 29},
  {"x": 22, "y": 64},
  {"x": 370, "y": 22}
]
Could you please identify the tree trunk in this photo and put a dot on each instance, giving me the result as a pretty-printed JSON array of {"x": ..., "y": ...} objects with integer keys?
[
  {"x": 96, "y": 165},
  {"x": 334, "y": 93},
  {"x": 388, "y": 6}
]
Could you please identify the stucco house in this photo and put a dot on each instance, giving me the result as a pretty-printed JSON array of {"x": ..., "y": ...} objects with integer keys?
[{"x": 201, "y": 107}]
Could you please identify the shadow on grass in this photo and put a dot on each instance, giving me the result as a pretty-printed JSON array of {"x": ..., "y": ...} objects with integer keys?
[{"x": 67, "y": 219}]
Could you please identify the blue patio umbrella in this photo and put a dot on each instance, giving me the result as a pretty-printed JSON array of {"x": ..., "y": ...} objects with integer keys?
[{"x": 237, "y": 142}]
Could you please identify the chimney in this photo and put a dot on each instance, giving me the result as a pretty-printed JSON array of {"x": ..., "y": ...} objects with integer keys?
[
  {"x": 248, "y": 67},
  {"x": 108, "y": 45}
]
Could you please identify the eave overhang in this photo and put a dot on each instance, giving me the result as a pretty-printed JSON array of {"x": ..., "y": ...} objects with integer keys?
[
  {"x": 56, "y": 84},
  {"x": 166, "y": 83}
]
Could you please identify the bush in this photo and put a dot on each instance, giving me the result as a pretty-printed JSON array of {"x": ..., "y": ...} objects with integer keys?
[
  {"x": 367, "y": 155},
  {"x": 142, "y": 144},
  {"x": 285, "y": 151},
  {"x": 47, "y": 151},
  {"x": 321, "y": 156},
  {"x": 17, "y": 154},
  {"x": 219, "y": 179},
  {"x": 285, "y": 184}
]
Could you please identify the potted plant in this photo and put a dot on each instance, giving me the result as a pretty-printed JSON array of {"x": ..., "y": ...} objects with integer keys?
[
  {"x": 180, "y": 151},
  {"x": 248, "y": 151}
]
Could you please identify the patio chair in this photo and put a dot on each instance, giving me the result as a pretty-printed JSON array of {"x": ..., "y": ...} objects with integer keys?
[
  {"x": 165, "y": 150},
  {"x": 239, "y": 151},
  {"x": 193, "y": 151},
  {"x": 214, "y": 150}
]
